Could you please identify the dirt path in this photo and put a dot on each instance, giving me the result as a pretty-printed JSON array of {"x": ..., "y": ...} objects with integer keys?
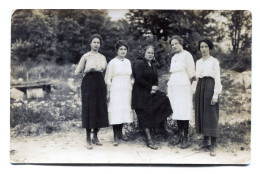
[{"x": 70, "y": 147}]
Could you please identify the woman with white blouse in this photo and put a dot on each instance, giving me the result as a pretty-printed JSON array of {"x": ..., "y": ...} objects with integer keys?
[
  {"x": 93, "y": 90},
  {"x": 206, "y": 96},
  {"x": 182, "y": 71},
  {"x": 119, "y": 91}
]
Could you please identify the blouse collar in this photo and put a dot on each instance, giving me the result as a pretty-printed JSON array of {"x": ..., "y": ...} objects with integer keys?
[
  {"x": 119, "y": 59},
  {"x": 208, "y": 59},
  {"x": 93, "y": 54}
]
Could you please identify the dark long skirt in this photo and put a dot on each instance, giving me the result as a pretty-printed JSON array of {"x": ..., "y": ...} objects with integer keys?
[
  {"x": 206, "y": 115},
  {"x": 94, "y": 105},
  {"x": 149, "y": 117}
]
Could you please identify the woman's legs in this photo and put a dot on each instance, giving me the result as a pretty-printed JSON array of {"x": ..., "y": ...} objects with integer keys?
[
  {"x": 95, "y": 138},
  {"x": 89, "y": 144},
  {"x": 185, "y": 124},
  {"x": 213, "y": 146},
  {"x": 205, "y": 142},
  {"x": 120, "y": 133},
  {"x": 115, "y": 130},
  {"x": 150, "y": 143},
  {"x": 178, "y": 138}
]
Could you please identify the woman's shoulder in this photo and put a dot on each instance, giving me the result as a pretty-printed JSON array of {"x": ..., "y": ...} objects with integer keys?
[
  {"x": 199, "y": 61},
  {"x": 101, "y": 55},
  {"x": 187, "y": 53},
  {"x": 138, "y": 62},
  {"x": 112, "y": 61},
  {"x": 91, "y": 54},
  {"x": 215, "y": 60},
  {"x": 86, "y": 54},
  {"x": 127, "y": 60}
]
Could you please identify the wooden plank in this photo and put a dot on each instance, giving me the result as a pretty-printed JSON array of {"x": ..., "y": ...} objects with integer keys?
[{"x": 31, "y": 85}]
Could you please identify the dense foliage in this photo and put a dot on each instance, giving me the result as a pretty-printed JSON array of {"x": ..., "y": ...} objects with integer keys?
[{"x": 61, "y": 36}]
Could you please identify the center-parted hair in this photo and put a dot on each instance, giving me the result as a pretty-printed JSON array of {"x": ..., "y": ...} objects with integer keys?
[
  {"x": 146, "y": 48},
  {"x": 208, "y": 42},
  {"x": 121, "y": 43},
  {"x": 93, "y": 36},
  {"x": 178, "y": 38}
]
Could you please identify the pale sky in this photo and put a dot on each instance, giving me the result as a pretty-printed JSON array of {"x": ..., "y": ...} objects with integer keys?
[{"x": 116, "y": 14}]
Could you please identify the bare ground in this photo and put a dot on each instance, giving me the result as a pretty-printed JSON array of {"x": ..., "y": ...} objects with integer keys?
[{"x": 70, "y": 147}]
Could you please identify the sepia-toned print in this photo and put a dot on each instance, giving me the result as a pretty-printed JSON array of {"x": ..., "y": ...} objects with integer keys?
[{"x": 149, "y": 87}]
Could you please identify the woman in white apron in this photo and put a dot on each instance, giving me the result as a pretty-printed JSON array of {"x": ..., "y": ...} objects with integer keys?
[
  {"x": 119, "y": 91},
  {"x": 182, "y": 71}
]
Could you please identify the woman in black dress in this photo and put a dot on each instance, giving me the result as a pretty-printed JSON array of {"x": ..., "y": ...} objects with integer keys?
[
  {"x": 93, "y": 90},
  {"x": 151, "y": 106},
  {"x": 206, "y": 96}
]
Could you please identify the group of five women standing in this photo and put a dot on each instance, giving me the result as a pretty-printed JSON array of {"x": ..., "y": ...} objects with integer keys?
[{"x": 127, "y": 86}]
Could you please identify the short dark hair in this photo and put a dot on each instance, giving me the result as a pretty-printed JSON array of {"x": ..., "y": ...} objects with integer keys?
[
  {"x": 208, "y": 42},
  {"x": 93, "y": 36},
  {"x": 178, "y": 38},
  {"x": 121, "y": 43}
]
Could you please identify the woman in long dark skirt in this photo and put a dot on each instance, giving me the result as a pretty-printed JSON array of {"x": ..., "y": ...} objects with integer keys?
[
  {"x": 206, "y": 96},
  {"x": 93, "y": 90},
  {"x": 151, "y": 106}
]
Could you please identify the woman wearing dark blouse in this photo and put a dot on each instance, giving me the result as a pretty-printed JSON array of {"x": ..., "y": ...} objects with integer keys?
[
  {"x": 151, "y": 106},
  {"x": 93, "y": 90}
]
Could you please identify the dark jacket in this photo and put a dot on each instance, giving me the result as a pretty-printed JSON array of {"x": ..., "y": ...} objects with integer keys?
[{"x": 145, "y": 77}]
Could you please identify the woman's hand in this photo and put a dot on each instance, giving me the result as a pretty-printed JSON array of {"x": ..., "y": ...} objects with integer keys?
[
  {"x": 154, "y": 89},
  {"x": 192, "y": 79},
  {"x": 108, "y": 96},
  {"x": 214, "y": 101}
]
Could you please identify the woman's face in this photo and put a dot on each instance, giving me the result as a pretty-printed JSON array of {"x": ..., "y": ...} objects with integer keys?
[
  {"x": 149, "y": 54},
  {"x": 176, "y": 46},
  {"x": 204, "y": 49},
  {"x": 122, "y": 51},
  {"x": 95, "y": 44}
]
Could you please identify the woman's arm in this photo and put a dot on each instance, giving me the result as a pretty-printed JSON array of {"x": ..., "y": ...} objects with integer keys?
[
  {"x": 81, "y": 66},
  {"x": 190, "y": 67},
  {"x": 108, "y": 78},
  {"x": 218, "y": 86},
  {"x": 109, "y": 74},
  {"x": 155, "y": 80}
]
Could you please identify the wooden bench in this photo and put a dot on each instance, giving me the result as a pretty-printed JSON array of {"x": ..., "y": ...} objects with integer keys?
[{"x": 33, "y": 89}]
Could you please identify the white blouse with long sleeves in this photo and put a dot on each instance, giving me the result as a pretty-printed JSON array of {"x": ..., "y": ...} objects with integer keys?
[
  {"x": 91, "y": 62},
  {"x": 181, "y": 63},
  {"x": 210, "y": 68}
]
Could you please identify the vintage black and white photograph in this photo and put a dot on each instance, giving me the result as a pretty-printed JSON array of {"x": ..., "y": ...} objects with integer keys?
[{"x": 130, "y": 86}]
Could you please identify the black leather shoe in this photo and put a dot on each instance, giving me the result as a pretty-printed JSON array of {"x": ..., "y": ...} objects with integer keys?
[
  {"x": 151, "y": 145},
  {"x": 96, "y": 142},
  {"x": 123, "y": 137},
  {"x": 89, "y": 145},
  {"x": 185, "y": 143},
  {"x": 177, "y": 139}
]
